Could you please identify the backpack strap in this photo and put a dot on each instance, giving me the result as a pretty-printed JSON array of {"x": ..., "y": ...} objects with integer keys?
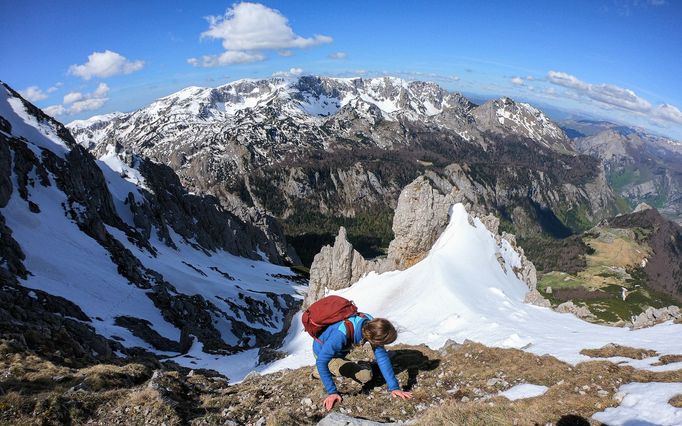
[
  {"x": 350, "y": 328},
  {"x": 350, "y": 331}
]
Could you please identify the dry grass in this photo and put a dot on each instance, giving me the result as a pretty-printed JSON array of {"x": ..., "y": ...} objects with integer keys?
[
  {"x": 668, "y": 359},
  {"x": 142, "y": 407},
  {"x": 676, "y": 401},
  {"x": 108, "y": 376},
  {"x": 612, "y": 350}
]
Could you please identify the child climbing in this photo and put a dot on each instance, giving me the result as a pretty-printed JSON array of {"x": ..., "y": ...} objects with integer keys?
[{"x": 336, "y": 325}]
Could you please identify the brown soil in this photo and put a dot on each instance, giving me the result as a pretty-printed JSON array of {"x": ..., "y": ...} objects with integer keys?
[
  {"x": 611, "y": 350},
  {"x": 458, "y": 386}
]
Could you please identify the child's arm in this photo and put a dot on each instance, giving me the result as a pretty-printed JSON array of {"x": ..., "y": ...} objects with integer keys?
[
  {"x": 333, "y": 345},
  {"x": 386, "y": 368}
]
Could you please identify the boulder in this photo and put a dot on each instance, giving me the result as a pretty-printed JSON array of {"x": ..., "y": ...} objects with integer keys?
[{"x": 579, "y": 311}]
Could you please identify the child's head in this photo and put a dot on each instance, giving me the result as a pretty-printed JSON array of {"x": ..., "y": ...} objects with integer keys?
[{"x": 379, "y": 332}]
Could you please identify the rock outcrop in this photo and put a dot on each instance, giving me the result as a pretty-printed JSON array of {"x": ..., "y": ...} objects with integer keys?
[
  {"x": 336, "y": 267},
  {"x": 653, "y": 316}
]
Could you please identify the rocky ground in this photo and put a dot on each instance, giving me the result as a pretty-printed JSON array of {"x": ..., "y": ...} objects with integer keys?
[{"x": 458, "y": 384}]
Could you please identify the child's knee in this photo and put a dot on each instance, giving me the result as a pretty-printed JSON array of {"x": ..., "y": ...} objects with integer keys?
[{"x": 364, "y": 375}]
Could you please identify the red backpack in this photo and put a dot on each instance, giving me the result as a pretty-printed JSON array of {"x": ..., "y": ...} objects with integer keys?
[{"x": 327, "y": 311}]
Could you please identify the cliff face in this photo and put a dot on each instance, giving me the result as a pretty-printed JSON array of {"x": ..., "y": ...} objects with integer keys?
[{"x": 641, "y": 167}]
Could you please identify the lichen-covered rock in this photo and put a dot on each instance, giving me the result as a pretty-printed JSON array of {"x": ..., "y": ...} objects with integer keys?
[
  {"x": 535, "y": 298},
  {"x": 572, "y": 308}
]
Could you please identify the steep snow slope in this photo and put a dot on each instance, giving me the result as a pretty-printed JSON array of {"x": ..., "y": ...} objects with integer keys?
[
  {"x": 142, "y": 288},
  {"x": 460, "y": 291}
]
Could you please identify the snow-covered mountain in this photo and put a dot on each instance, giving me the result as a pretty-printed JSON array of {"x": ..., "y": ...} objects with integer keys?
[
  {"x": 109, "y": 255},
  {"x": 342, "y": 149},
  {"x": 303, "y": 112}
]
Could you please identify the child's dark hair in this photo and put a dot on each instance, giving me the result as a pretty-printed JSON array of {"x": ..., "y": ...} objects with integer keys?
[{"x": 379, "y": 332}]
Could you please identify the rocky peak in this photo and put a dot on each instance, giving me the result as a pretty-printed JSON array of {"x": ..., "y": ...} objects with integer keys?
[
  {"x": 509, "y": 117},
  {"x": 334, "y": 267}
]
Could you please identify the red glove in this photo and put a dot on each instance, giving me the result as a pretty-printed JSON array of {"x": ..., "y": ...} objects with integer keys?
[
  {"x": 331, "y": 400},
  {"x": 401, "y": 394}
]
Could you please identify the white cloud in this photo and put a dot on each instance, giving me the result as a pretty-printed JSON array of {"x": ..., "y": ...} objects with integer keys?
[
  {"x": 618, "y": 97},
  {"x": 33, "y": 94},
  {"x": 291, "y": 73},
  {"x": 566, "y": 80},
  {"x": 455, "y": 77},
  {"x": 668, "y": 112},
  {"x": 76, "y": 102},
  {"x": 285, "y": 53},
  {"x": 253, "y": 26},
  {"x": 605, "y": 93},
  {"x": 101, "y": 91},
  {"x": 54, "y": 110},
  {"x": 248, "y": 28},
  {"x": 87, "y": 105},
  {"x": 338, "y": 55},
  {"x": 609, "y": 96},
  {"x": 226, "y": 58},
  {"x": 105, "y": 64},
  {"x": 72, "y": 97},
  {"x": 530, "y": 78},
  {"x": 517, "y": 81},
  {"x": 54, "y": 88}
]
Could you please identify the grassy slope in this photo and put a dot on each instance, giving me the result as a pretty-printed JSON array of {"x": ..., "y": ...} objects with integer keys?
[{"x": 613, "y": 263}]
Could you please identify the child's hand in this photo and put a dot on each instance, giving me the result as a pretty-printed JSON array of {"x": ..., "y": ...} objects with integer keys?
[
  {"x": 401, "y": 394},
  {"x": 331, "y": 400}
]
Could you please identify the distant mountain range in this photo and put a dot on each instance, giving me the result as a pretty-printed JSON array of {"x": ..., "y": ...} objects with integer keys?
[
  {"x": 319, "y": 152},
  {"x": 640, "y": 167}
]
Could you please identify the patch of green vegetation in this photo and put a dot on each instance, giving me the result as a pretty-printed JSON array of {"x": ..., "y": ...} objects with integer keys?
[
  {"x": 548, "y": 254},
  {"x": 623, "y": 204},
  {"x": 628, "y": 175},
  {"x": 301, "y": 270},
  {"x": 576, "y": 218},
  {"x": 557, "y": 280},
  {"x": 369, "y": 232},
  {"x": 641, "y": 234},
  {"x": 658, "y": 201}
]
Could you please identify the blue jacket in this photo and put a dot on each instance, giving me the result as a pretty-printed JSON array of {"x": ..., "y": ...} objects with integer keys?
[{"x": 335, "y": 345}]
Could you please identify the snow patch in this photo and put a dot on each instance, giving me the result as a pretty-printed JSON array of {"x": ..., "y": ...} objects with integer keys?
[
  {"x": 644, "y": 404},
  {"x": 524, "y": 390}
]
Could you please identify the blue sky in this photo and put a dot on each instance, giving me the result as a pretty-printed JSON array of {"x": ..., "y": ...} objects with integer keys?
[{"x": 616, "y": 59}]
